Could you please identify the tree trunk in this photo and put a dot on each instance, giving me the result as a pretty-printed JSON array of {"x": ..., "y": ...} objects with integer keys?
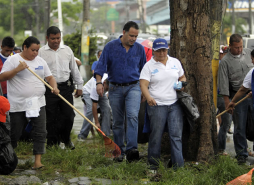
[{"x": 191, "y": 44}]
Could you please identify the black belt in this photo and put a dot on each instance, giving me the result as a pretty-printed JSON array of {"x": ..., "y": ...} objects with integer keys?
[
  {"x": 67, "y": 83},
  {"x": 124, "y": 84}
]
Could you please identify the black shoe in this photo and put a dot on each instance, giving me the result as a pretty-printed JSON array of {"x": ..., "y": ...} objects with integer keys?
[
  {"x": 119, "y": 158},
  {"x": 170, "y": 165},
  {"x": 70, "y": 145},
  {"x": 241, "y": 159},
  {"x": 132, "y": 155}
]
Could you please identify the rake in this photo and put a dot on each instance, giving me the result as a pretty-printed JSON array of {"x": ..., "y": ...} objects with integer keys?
[
  {"x": 235, "y": 105},
  {"x": 112, "y": 149}
]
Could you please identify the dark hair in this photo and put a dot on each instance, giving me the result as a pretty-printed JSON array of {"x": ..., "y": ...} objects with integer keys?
[
  {"x": 235, "y": 38},
  {"x": 252, "y": 53},
  {"x": 29, "y": 41},
  {"x": 16, "y": 48},
  {"x": 8, "y": 41},
  {"x": 99, "y": 52},
  {"x": 53, "y": 30},
  {"x": 129, "y": 25}
]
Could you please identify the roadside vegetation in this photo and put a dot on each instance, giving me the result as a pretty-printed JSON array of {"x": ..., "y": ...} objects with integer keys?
[{"x": 88, "y": 160}]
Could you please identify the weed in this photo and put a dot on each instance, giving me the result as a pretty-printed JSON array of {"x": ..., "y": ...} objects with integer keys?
[{"x": 88, "y": 160}]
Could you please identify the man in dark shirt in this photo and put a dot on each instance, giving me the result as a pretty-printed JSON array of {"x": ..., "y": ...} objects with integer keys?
[{"x": 123, "y": 60}]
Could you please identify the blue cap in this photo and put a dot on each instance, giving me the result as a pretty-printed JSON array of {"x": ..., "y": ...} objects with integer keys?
[{"x": 159, "y": 44}]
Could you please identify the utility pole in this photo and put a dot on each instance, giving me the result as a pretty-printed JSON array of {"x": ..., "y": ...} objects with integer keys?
[
  {"x": 233, "y": 16},
  {"x": 141, "y": 15},
  {"x": 46, "y": 16},
  {"x": 127, "y": 11},
  {"x": 12, "y": 19},
  {"x": 37, "y": 18},
  {"x": 250, "y": 18},
  {"x": 85, "y": 40},
  {"x": 86, "y": 9},
  {"x": 60, "y": 19}
]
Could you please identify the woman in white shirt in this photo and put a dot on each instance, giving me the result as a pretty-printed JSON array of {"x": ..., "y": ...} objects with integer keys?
[
  {"x": 157, "y": 80},
  {"x": 26, "y": 95}
]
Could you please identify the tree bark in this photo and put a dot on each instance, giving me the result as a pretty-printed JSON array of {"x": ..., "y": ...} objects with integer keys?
[{"x": 191, "y": 44}]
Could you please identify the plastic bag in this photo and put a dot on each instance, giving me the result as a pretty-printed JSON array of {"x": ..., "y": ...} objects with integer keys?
[
  {"x": 8, "y": 157},
  {"x": 243, "y": 179},
  {"x": 190, "y": 109}
]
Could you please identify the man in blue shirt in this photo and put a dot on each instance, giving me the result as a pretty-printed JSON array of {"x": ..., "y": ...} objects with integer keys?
[
  {"x": 95, "y": 63},
  {"x": 123, "y": 60}
]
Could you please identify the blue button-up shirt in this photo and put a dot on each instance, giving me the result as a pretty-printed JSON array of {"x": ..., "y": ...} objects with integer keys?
[{"x": 121, "y": 66}]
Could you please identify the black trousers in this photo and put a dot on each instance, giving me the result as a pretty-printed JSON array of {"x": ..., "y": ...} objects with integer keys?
[
  {"x": 59, "y": 115},
  {"x": 18, "y": 123}
]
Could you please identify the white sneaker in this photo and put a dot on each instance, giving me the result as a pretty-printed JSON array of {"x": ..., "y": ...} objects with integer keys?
[{"x": 80, "y": 139}]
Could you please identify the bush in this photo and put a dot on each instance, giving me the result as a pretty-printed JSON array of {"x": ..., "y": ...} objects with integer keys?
[{"x": 74, "y": 42}]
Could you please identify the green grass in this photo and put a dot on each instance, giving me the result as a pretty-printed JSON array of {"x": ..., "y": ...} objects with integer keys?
[{"x": 88, "y": 160}]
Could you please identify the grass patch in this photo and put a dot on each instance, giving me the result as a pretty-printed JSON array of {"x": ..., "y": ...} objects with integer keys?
[{"x": 88, "y": 160}]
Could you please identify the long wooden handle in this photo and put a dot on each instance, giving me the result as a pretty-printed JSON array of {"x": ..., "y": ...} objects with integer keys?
[
  {"x": 235, "y": 105},
  {"x": 65, "y": 100}
]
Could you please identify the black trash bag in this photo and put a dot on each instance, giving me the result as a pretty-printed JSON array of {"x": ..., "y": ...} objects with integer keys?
[
  {"x": 8, "y": 157},
  {"x": 190, "y": 109},
  {"x": 250, "y": 126}
]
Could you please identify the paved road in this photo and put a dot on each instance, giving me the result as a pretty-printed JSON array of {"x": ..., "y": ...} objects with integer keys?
[{"x": 78, "y": 121}]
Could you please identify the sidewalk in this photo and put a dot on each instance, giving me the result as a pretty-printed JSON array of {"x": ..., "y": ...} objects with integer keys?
[{"x": 231, "y": 150}]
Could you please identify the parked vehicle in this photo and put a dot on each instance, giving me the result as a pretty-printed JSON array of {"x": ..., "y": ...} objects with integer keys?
[{"x": 248, "y": 41}]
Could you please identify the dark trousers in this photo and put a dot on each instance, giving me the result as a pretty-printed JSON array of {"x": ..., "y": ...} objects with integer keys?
[
  {"x": 18, "y": 123},
  {"x": 60, "y": 116}
]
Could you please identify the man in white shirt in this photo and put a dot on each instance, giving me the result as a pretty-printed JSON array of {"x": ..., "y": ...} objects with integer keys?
[
  {"x": 92, "y": 99},
  {"x": 61, "y": 62}
]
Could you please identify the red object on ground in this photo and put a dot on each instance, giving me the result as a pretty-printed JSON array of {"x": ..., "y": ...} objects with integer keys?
[{"x": 243, "y": 179}]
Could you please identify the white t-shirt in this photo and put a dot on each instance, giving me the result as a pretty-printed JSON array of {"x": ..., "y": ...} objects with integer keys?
[
  {"x": 90, "y": 87},
  {"x": 162, "y": 79},
  {"x": 247, "y": 79},
  {"x": 93, "y": 94},
  {"x": 25, "y": 86}
]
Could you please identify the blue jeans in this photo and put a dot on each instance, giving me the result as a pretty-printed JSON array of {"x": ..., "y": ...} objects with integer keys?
[
  {"x": 105, "y": 113},
  {"x": 239, "y": 119},
  {"x": 125, "y": 99},
  {"x": 160, "y": 116},
  {"x": 226, "y": 120}
]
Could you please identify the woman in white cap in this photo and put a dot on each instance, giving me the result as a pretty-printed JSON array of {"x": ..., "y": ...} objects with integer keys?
[{"x": 160, "y": 78}]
